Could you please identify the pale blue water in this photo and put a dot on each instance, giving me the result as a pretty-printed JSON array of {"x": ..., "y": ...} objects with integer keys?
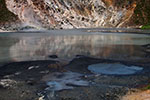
[{"x": 114, "y": 69}]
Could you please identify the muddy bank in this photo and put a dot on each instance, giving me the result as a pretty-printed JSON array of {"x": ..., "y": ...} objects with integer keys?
[{"x": 41, "y": 80}]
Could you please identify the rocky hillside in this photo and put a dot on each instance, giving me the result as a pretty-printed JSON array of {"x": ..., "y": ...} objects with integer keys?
[
  {"x": 62, "y": 14},
  {"x": 5, "y": 14},
  {"x": 7, "y": 18},
  {"x": 141, "y": 14}
]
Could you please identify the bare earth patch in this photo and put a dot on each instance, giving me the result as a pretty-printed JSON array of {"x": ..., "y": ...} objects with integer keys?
[{"x": 140, "y": 95}]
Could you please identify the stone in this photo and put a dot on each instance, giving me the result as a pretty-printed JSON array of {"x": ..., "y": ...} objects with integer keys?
[{"x": 53, "y": 56}]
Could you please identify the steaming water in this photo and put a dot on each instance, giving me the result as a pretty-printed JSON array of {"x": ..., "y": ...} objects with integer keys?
[{"x": 99, "y": 43}]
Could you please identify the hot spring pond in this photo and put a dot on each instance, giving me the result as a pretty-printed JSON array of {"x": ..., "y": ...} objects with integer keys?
[{"x": 60, "y": 64}]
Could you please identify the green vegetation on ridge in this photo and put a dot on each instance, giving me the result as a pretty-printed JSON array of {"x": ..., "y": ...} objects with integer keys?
[{"x": 145, "y": 27}]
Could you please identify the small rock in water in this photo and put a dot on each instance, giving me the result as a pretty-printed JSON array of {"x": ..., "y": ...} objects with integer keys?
[
  {"x": 53, "y": 56},
  {"x": 79, "y": 56},
  {"x": 113, "y": 69}
]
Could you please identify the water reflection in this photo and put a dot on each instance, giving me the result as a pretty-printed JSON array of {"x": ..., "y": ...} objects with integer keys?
[
  {"x": 109, "y": 46},
  {"x": 5, "y": 44}
]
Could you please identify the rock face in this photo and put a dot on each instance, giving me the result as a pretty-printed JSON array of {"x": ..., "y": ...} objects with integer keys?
[{"x": 62, "y": 14}]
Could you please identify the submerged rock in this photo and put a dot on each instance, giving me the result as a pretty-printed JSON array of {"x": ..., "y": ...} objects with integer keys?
[
  {"x": 53, "y": 56},
  {"x": 114, "y": 69}
]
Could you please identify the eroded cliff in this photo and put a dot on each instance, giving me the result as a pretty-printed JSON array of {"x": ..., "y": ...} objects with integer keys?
[{"x": 62, "y": 14}]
